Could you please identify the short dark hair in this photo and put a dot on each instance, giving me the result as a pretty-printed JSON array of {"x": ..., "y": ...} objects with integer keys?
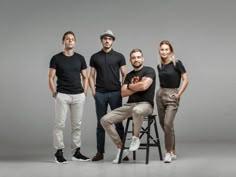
[{"x": 66, "y": 33}]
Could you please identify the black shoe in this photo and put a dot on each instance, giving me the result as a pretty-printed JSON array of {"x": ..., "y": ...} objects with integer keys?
[
  {"x": 126, "y": 158},
  {"x": 59, "y": 157},
  {"x": 97, "y": 157},
  {"x": 79, "y": 157}
]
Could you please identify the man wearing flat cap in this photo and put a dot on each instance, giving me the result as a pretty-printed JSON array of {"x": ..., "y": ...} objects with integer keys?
[{"x": 105, "y": 83}]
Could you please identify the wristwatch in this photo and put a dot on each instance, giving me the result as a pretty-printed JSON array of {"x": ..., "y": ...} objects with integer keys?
[{"x": 54, "y": 94}]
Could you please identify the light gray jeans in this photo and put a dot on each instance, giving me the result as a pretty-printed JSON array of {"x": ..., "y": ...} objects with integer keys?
[
  {"x": 167, "y": 107},
  {"x": 136, "y": 110},
  {"x": 63, "y": 104}
]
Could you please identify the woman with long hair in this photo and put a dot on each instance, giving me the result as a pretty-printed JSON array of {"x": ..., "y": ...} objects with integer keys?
[{"x": 173, "y": 82}]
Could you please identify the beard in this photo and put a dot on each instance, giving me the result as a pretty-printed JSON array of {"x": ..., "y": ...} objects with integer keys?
[
  {"x": 107, "y": 46},
  {"x": 137, "y": 64}
]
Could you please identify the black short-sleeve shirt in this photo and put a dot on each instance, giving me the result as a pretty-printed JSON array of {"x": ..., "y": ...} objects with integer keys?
[
  {"x": 142, "y": 96},
  {"x": 170, "y": 74},
  {"x": 107, "y": 67},
  {"x": 68, "y": 72}
]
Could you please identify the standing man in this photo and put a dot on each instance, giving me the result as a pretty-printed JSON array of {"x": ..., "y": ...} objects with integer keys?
[
  {"x": 68, "y": 66},
  {"x": 139, "y": 85},
  {"x": 107, "y": 65}
]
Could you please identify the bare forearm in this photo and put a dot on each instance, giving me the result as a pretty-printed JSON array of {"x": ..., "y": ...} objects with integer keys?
[
  {"x": 85, "y": 85},
  {"x": 183, "y": 87},
  {"x": 126, "y": 92},
  {"x": 52, "y": 85},
  {"x": 92, "y": 85},
  {"x": 137, "y": 87}
]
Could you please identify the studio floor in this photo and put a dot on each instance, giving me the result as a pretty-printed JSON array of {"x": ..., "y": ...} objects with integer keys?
[{"x": 216, "y": 159}]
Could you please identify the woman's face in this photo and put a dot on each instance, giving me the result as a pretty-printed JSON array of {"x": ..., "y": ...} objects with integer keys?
[{"x": 164, "y": 51}]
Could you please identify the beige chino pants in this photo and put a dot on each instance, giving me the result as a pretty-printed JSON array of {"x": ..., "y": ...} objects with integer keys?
[
  {"x": 64, "y": 103},
  {"x": 136, "y": 110}
]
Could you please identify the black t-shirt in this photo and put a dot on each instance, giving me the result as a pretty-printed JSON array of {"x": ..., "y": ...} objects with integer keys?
[
  {"x": 142, "y": 96},
  {"x": 170, "y": 75},
  {"x": 68, "y": 70},
  {"x": 107, "y": 66}
]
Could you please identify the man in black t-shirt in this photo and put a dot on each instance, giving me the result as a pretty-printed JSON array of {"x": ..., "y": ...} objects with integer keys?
[
  {"x": 139, "y": 85},
  {"x": 106, "y": 65},
  {"x": 68, "y": 66}
]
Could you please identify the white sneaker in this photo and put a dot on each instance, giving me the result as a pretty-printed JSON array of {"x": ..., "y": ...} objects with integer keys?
[
  {"x": 167, "y": 158},
  {"x": 173, "y": 156},
  {"x": 125, "y": 153},
  {"x": 134, "y": 144}
]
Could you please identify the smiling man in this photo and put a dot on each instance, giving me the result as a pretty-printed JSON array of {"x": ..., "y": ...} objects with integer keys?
[{"x": 139, "y": 85}]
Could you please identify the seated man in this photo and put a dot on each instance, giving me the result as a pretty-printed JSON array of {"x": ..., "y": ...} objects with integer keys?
[{"x": 139, "y": 85}]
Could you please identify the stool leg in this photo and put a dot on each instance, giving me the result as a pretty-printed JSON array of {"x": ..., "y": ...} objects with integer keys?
[
  {"x": 134, "y": 152},
  {"x": 158, "y": 139},
  {"x": 134, "y": 155},
  {"x": 148, "y": 140},
  {"x": 123, "y": 141}
]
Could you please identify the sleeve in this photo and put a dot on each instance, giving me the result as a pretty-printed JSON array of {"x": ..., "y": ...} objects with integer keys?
[
  {"x": 83, "y": 64},
  {"x": 150, "y": 72},
  {"x": 91, "y": 63},
  {"x": 53, "y": 64},
  {"x": 122, "y": 60},
  {"x": 180, "y": 67},
  {"x": 127, "y": 79}
]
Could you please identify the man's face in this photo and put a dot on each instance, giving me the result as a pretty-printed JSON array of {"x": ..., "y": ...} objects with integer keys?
[
  {"x": 136, "y": 59},
  {"x": 107, "y": 42},
  {"x": 69, "y": 42}
]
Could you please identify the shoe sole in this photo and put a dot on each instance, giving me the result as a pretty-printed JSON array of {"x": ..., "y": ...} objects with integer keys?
[
  {"x": 80, "y": 160},
  {"x": 96, "y": 160},
  {"x": 167, "y": 161},
  {"x": 60, "y": 162}
]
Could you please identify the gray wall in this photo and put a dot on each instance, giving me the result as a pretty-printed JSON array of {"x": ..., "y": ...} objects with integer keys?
[{"x": 202, "y": 32}]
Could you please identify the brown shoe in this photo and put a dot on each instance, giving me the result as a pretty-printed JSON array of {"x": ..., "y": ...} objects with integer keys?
[
  {"x": 126, "y": 158},
  {"x": 97, "y": 157}
]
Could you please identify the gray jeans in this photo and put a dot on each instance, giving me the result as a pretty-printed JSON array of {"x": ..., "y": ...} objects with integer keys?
[
  {"x": 136, "y": 110},
  {"x": 63, "y": 104},
  {"x": 167, "y": 107}
]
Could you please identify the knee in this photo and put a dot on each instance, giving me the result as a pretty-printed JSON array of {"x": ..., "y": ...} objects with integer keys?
[
  {"x": 168, "y": 126},
  {"x": 60, "y": 126},
  {"x": 104, "y": 121},
  {"x": 137, "y": 111}
]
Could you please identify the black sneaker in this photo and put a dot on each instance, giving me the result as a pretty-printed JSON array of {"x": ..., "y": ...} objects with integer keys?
[
  {"x": 79, "y": 157},
  {"x": 59, "y": 157}
]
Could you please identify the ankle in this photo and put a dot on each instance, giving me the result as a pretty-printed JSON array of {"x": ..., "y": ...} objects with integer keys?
[
  {"x": 59, "y": 151},
  {"x": 119, "y": 145}
]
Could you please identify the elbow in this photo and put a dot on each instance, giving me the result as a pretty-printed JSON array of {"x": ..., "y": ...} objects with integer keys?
[
  {"x": 144, "y": 87},
  {"x": 123, "y": 93}
]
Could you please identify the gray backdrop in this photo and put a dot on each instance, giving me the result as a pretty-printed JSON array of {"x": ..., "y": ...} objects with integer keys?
[{"x": 202, "y": 33}]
